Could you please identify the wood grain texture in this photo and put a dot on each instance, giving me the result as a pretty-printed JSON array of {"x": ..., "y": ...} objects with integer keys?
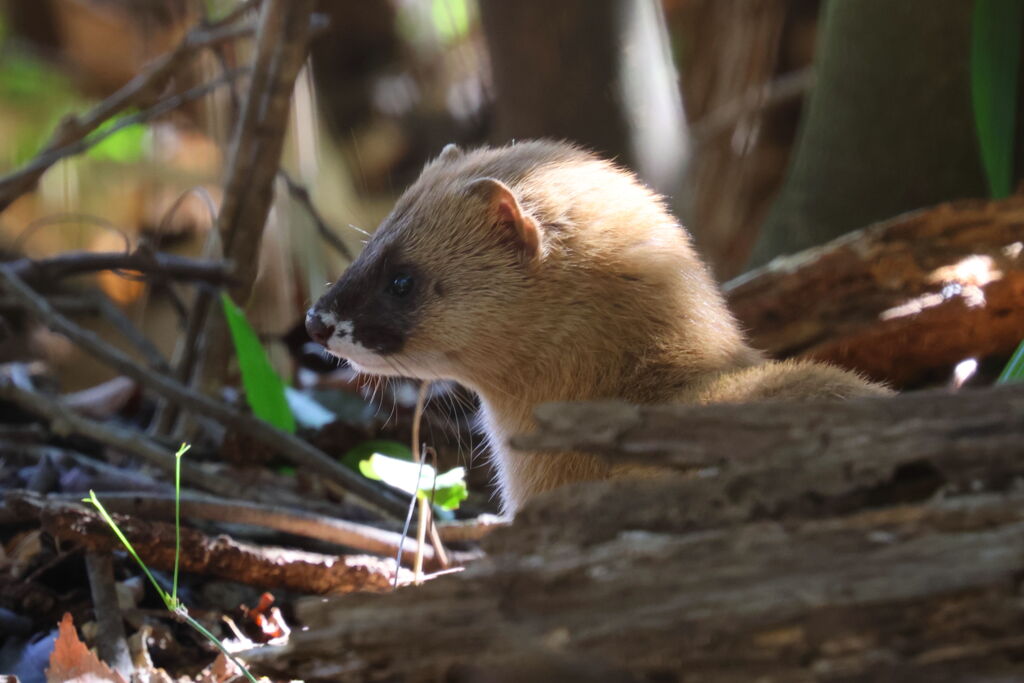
[
  {"x": 902, "y": 301},
  {"x": 873, "y": 540}
]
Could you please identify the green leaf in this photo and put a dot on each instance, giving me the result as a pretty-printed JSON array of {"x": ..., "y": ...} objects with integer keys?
[
  {"x": 125, "y": 146},
  {"x": 25, "y": 78},
  {"x": 1014, "y": 370},
  {"x": 448, "y": 490},
  {"x": 264, "y": 390},
  {"x": 995, "y": 60}
]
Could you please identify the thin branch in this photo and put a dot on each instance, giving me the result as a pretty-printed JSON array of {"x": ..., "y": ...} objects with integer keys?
[
  {"x": 17, "y": 183},
  {"x": 298, "y": 451},
  {"x": 70, "y": 136},
  {"x": 106, "y": 476},
  {"x": 282, "y": 37},
  {"x": 300, "y": 194},
  {"x": 116, "y": 317},
  {"x": 45, "y": 270},
  {"x": 66, "y": 303},
  {"x": 298, "y": 522},
  {"x": 472, "y": 529},
  {"x": 110, "y": 636},
  {"x": 282, "y": 41},
  {"x": 755, "y": 100},
  {"x": 64, "y": 421}
]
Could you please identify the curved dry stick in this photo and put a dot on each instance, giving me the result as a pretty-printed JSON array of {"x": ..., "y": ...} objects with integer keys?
[
  {"x": 298, "y": 451},
  {"x": 45, "y": 270},
  {"x": 71, "y": 134}
]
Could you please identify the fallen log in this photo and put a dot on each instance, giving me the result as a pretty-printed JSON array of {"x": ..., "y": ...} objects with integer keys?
[
  {"x": 221, "y": 557},
  {"x": 902, "y": 301},
  {"x": 874, "y": 540}
]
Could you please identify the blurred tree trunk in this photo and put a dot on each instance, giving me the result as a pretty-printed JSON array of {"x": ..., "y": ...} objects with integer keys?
[
  {"x": 888, "y": 127},
  {"x": 745, "y": 68},
  {"x": 597, "y": 72}
]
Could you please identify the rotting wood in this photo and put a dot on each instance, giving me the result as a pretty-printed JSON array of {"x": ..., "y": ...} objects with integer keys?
[
  {"x": 872, "y": 540},
  {"x": 304, "y": 523},
  {"x": 902, "y": 301},
  {"x": 926, "y": 592},
  {"x": 935, "y": 424},
  {"x": 222, "y": 557}
]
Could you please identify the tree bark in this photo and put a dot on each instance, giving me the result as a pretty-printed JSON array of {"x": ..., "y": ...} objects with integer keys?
[
  {"x": 831, "y": 542},
  {"x": 745, "y": 69},
  {"x": 903, "y": 301}
]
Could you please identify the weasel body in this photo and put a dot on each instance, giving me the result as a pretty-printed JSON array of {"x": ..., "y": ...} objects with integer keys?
[{"x": 539, "y": 272}]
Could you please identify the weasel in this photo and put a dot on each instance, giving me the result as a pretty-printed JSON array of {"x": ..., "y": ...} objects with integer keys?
[{"x": 539, "y": 272}]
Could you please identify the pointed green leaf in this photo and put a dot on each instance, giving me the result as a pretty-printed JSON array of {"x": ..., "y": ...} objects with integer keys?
[
  {"x": 125, "y": 146},
  {"x": 995, "y": 60},
  {"x": 264, "y": 390}
]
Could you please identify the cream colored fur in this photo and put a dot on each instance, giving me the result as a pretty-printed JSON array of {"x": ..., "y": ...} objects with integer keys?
[{"x": 617, "y": 305}]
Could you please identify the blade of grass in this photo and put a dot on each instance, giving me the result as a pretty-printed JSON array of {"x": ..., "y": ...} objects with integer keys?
[
  {"x": 128, "y": 546},
  {"x": 170, "y": 601},
  {"x": 995, "y": 60},
  {"x": 183, "y": 614},
  {"x": 177, "y": 518}
]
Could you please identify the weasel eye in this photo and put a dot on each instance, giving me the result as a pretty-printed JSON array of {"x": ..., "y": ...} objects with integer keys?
[{"x": 400, "y": 285}]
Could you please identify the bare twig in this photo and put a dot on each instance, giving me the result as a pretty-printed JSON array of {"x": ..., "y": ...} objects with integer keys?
[
  {"x": 300, "y": 194},
  {"x": 107, "y": 475},
  {"x": 295, "y": 449},
  {"x": 46, "y": 270},
  {"x": 299, "y": 522},
  {"x": 281, "y": 45},
  {"x": 70, "y": 136},
  {"x": 254, "y": 156},
  {"x": 754, "y": 101},
  {"x": 64, "y": 421},
  {"x": 66, "y": 303},
  {"x": 110, "y": 636},
  {"x": 116, "y": 317}
]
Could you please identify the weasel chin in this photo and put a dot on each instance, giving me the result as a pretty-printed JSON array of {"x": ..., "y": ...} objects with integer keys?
[{"x": 374, "y": 367}]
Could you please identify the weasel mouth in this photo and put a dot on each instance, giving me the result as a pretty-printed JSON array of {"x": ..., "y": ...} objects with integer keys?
[{"x": 361, "y": 360}]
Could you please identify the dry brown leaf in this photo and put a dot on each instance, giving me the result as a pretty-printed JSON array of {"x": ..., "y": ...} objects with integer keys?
[{"x": 72, "y": 661}]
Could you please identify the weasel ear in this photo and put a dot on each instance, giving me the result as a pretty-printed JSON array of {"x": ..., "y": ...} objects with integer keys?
[
  {"x": 450, "y": 151},
  {"x": 508, "y": 215}
]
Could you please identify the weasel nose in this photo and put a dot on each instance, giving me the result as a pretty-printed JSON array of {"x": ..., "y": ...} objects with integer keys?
[{"x": 318, "y": 330}]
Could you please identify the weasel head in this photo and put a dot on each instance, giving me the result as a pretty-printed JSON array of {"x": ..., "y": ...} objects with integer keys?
[{"x": 444, "y": 269}]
